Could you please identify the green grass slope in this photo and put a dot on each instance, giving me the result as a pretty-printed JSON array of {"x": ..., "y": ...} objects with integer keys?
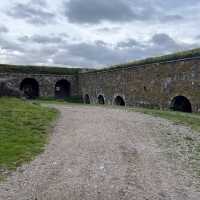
[{"x": 23, "y": 132}]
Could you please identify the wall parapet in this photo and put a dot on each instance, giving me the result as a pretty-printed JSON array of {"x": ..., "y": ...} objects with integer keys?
[{"x": 138, "y": 66}]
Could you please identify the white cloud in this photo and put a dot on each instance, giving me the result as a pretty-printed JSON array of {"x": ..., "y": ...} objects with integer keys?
[{"x": 39, "y": 31}]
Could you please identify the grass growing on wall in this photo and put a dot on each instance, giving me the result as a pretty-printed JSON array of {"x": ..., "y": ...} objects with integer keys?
[
  {"x": 23, "y": 132},
  {"x": 4, "y": 68},
  {"x": 156, "y": 59}
]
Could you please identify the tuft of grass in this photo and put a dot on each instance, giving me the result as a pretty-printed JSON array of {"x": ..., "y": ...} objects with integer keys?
[{"x": 23, "y": 132}]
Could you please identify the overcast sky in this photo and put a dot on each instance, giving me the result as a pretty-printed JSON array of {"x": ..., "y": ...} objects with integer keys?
[{"x": 95, "y": 33}]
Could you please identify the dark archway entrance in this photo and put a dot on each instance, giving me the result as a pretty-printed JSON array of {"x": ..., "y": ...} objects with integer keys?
[
  {"x": 101, "y": 100},
  {"x": 87, "y": 99},
  {"x": 30, "y": 88},
  {"x": 62, "y": 89},
  {"x": 181, "y": 103},
  {"x": 119, "y": 101}
]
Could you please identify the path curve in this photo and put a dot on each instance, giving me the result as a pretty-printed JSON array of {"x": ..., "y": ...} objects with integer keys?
[{"x": 100, "y": 153}]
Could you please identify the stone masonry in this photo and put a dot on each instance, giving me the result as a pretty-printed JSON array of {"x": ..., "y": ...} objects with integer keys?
[
  {"x": 46, "y": 82},
  {"x": 150, "y": 85},
  {"x": 159, "y": 85}
]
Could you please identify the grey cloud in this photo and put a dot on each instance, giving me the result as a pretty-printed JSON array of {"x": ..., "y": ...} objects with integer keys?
[
  {"x": 10, "y": 45},
  {"x": 164, "y": 40},
  {"x": 101, "y": 43},
  {"x": 32, "y": 13},
  {"x": 41, "y": 39},
  {"x": 100, "y": 53},
  {"x": 197, "y": 37},
  {"x": 107, "y": 29},
  {"x": 85, "y": 54},
  {"x": 97, "y": 53},
  {"x": 173, "y": 4},
  {"x": 163, "y": 43},
  {"x": 172, "y": 18},
  {"x": 95, "y": 11},
  {"x": 63, "y": 58},
  {"x": 39, "y": 2},
  {"x": 3, "y": 29},
  {"x": 130, "y": 43},
  {"x": 23, "y": 39},
  {"x": 32, "y": 56},
  {"x": 39, "y": 55},
  {"x": 93, "y": 52}
]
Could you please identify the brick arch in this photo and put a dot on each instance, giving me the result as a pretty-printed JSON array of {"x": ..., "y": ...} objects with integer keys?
[
  {"x": 119, "y": 100},
  {"x": 86, "y": 99},
  {"x": 181, "y": 103},
  {"x": 62, "y": 89},
  {"x": 30, "y": 88},
  {"x": 101, "y": 99}
]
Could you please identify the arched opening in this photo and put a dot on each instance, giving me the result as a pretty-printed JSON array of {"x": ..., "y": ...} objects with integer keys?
[
  {"x": 87, "y": 99},
  {"x": 181, "y": 103},
  {"x": 101, "y": 100},
  {"x": 30, "y": 88},
  {"x": 62, "y": 89},
  {"x": 119, "y": 101}
]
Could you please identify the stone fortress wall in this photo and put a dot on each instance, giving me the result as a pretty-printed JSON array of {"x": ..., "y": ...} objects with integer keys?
[
  {"x": 168, "y": 84},
  {"x": 43, "y": 85},
  {"x": 171, "y": 84}
]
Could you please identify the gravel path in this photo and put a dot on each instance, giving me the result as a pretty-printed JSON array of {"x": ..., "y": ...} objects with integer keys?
[{"x": 103, "y": 154}]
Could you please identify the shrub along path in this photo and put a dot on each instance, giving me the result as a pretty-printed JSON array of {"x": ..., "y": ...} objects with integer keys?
[{"x": 112, "y": 154}]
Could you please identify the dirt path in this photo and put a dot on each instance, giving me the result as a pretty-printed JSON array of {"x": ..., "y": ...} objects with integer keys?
[{"x": 102, "y": 154}]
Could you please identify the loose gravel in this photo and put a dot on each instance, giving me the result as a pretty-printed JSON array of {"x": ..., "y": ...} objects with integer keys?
[{"x": 97, "y": 153}]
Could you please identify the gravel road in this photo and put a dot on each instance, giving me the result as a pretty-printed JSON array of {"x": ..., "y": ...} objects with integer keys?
[{"x": 98, "y": 153}]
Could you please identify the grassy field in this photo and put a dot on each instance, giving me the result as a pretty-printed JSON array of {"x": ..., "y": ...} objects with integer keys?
[{"x": 23, "y": 132}]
